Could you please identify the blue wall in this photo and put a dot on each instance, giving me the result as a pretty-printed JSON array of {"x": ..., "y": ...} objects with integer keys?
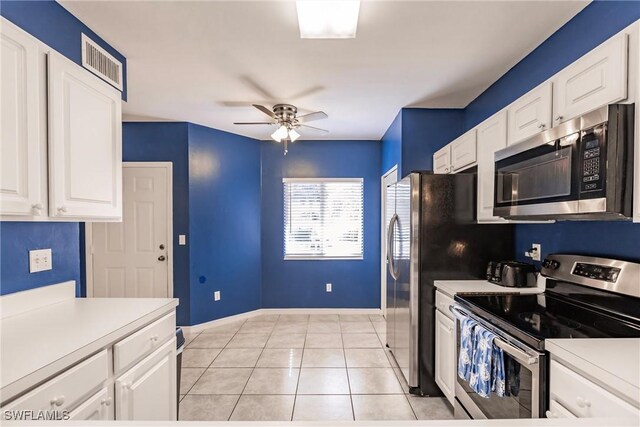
[
  {"x": 224, "y": 212},
  {"x": 167, "y": 142},
  {"x": 391, "y": 145},
  {"x": 593, "y": 25},
  {"x": 356, "y": 284},
  {"x": 424, "y": 131},
  {"x": 18, "y": 238},
  {"x": 53, "y": 25}
]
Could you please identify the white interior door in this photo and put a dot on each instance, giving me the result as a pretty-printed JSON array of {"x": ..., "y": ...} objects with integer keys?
[
  {"x": 391, "y": 177},
  {"x": 132, "y": 258}
]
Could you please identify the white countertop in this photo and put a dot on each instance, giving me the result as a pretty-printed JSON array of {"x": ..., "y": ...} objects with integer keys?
[
  {"x": 614, "y": 362},
  {"x": 453, "y": 287},
  {"x": 39, "y": 343}
]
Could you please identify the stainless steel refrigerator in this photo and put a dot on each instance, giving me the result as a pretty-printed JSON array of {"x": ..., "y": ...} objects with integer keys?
[{"x": 432, "y": 235}]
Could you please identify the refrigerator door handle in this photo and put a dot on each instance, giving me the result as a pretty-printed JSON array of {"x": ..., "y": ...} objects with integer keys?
[{"x": 390, "y": 237}]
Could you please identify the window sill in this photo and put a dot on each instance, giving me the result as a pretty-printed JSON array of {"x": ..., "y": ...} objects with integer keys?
[{"x": 323, "y": 258}]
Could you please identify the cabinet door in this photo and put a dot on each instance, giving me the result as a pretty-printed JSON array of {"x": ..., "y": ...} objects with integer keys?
[
  {"x": 148, "y": 390},
  {"x": 85, "y": 154},
  {"x": 22, "y": 131},
  {"x": 442, "y": 160},
  {"x": 463, "y": 151},
  {"x": 445, "y": 355},
  {"x": 530, "y": 114},
  {"x": 596, "y": 79},
  {"x": 97, "y": 407},
  {"x": 492, "y": 136}
]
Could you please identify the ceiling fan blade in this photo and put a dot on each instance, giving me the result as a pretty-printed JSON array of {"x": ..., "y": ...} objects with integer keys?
[
  {"x": 315, "y": 128},
  {"x": 318, "y": 115},
  {"x": 253, "y": 123},
  {"x": 265, "y": 110}
]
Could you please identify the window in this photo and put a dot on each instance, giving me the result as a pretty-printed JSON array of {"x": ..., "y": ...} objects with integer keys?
[{"x": 323, "y": 218}]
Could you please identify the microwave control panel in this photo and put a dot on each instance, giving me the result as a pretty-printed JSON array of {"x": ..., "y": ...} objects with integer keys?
[{"x": 592, "y": 160}]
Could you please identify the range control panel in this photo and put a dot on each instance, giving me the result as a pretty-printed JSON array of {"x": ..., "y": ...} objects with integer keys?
[
  {"x": 594, "y": 271},
  {"x": 592, "y": 159}
]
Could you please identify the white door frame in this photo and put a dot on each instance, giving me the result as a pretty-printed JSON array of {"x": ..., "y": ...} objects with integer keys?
[
  {"x": 88, "y": 232},
  {"x": 383, "y": 240}
]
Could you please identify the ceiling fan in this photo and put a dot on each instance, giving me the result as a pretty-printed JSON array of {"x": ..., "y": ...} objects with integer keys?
[{"x": 285, "y": 116}]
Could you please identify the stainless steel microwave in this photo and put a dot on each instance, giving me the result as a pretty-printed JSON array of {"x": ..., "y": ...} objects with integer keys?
[{"x": 579, "y": 170}]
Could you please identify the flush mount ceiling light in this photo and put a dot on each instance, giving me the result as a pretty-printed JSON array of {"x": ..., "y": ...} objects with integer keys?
[{"x": 328, "y": 19}]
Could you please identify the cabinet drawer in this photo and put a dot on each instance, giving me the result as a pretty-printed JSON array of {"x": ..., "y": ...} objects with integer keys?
[
  {"x": 556, "y": 410},
  {"x": 97, "y": 407},
  {"x": 584, "y": 398},
  {"x": 66, "y": 389},
  {"x": 143, "y": 342},
  {"x": 443, "y": 301}
]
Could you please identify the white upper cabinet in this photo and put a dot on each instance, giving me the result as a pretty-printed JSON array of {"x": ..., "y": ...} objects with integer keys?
[
  {"x": 22, "y": 125},
  {"x": 85, "y": 153},
  {"x": 463, "y": 151},
  {"x": 492, "y": 136},
  {"x": 442, "y": 160},
  {"x": 530, "y": 114},
  {"x": 596, "y": 79}
]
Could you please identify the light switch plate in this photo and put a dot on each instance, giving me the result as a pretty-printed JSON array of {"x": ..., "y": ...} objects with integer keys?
[
  {"x": 40, "y": 260},
  {"x": 182, "y": 239}
]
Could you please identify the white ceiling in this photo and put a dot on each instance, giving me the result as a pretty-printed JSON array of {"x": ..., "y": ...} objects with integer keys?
[{"x": 206, "y": 62}]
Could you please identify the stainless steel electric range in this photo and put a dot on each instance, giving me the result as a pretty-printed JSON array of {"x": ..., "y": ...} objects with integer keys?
[{"x": 585, "y": 297}]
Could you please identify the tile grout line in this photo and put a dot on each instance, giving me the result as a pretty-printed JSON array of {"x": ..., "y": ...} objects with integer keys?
[
  {"x": 304, "y": 345},
  {"x": 252, "y": 370}
]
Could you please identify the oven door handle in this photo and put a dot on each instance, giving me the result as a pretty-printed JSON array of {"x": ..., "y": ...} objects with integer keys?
[
  {"x": 511, "y": 350},
  {"x": 515, "y": 352}
]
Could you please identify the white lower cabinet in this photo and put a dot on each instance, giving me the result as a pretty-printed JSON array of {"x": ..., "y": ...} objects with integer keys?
[
  {"x": 97, "y": 407},
  {"x": 148, "y": 390},
  {"x": 445, "y": 355},
  {"x": 583, "y": 398}
]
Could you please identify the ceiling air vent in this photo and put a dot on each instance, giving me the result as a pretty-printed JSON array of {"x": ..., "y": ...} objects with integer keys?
[{"x": 100, "y": 62}]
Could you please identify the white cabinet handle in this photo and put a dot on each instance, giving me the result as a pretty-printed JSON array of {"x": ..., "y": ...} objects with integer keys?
[
  {"x": 550, "y": 414},
  {"x": 127, "y": 385},
  {"x": 107, "y": 401},
  {"x": 57, "y": 401},
  {"x": 559, "y": 118},
  {"x": 36, "y": 208},
  {"x": 154, "y": 338},
  {"x": 541, "y": 126},
  {"x": 582, "y": 402},
  {"x": 62, "y": 209}
]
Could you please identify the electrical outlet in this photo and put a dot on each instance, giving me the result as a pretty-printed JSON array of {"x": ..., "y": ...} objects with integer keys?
[
  {"x": 216, "y": 296},
  {"x": 182, "y": 239},
  {"x": 40, "y": 260},
  {"x": 328, "y": 287},
  {"x": 535, "y": 253}
]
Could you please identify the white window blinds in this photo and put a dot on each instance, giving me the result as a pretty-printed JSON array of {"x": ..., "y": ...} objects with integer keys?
[{"x": 323, "y": 218}]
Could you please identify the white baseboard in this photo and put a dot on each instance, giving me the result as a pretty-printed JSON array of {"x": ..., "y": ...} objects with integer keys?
[{"x": 244, "y": 316}]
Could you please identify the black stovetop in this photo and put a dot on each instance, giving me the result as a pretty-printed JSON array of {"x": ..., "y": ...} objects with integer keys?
[{"x": 564, "y": 311}]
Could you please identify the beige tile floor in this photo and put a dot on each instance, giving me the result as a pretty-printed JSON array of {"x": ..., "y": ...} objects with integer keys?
[{"x": 298, "y": 367}]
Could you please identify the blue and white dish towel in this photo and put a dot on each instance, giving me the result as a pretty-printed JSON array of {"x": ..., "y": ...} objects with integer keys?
[{"x": 480, "y": 362}]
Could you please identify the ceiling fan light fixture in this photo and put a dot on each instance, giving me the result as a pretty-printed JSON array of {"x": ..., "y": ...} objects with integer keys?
[
  {"x": 280, "y": 134},
  {"x": 293, "y": 135},
  {"x": 328, "y": 19}
]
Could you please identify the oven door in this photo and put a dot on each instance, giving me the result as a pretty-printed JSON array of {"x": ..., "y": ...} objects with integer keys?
[{"x": 525, "y": 385}]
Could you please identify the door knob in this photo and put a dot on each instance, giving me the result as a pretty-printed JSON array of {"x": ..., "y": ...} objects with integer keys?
[
  {"x": 161, "y": 245},
  {"x": 161, "y": 258}
]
